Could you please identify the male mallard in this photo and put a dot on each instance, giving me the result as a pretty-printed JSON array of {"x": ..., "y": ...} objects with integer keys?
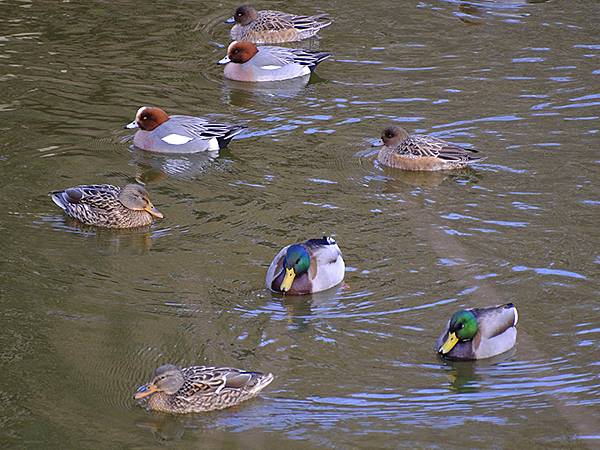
[
  {"x": 199, "y": 388},
  {"x": 311, "y": 266},
  {"x": 104, "y": 205},
  {"x": 479, "y": 332},
  {"x": 421, "y": 152}
]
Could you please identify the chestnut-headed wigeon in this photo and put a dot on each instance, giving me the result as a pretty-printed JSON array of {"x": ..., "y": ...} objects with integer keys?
[
  {"x": 247, "y": 62},
  {"x": 421, "y": 152},
  {"x": 273, "y": 27},
  {"x": 159, "y": 132}
]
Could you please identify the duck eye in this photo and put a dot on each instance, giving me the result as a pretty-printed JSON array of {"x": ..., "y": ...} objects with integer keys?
[{"x": 144, "y": 117}]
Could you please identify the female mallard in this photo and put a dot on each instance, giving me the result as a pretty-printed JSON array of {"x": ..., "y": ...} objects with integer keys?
[
  {"x": 104, "y": 205},
  {"x": 479, "y": 332},
  {"x": 199, "y": 388},
  {"x": 305, "y": 268},
  {"x": 421, "y": 152}
]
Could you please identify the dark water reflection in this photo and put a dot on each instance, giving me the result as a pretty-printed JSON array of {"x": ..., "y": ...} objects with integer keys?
[{"x": 88, "y": 314}]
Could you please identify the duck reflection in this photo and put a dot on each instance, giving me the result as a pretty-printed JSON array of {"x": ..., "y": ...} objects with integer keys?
[
  {"x": 301, "y": 308},
  {"x": 248, "y": 95},
  {"x": 152, "y": 167},
  {"x": 466, "y": 377}
]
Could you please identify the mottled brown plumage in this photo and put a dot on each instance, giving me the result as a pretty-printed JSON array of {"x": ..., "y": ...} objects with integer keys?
[
  {"x": 422, "y": 152},
  {"x": 200, "y": 388},
  {"x": 109, "y": 206},
  {"x": 272, "y": 27}
]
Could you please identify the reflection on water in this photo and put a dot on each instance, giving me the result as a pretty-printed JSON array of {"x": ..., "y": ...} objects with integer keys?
[{"x": 87, "y": 313}]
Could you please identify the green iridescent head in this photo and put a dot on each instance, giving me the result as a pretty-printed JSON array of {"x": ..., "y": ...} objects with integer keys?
[
  {"x": 463, "y": 327},
  {"x": 295, "y": 263}
]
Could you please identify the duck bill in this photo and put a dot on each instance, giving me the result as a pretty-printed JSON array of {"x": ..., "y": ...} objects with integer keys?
[
  {"x": 145, "y": 391},
  {"x": 225, "y": 60},
  {"x": 451, "y": 341},
  {"x": 131, "y": 125},
  {"x": 230, "y": 20},
  {"x": 288, "y": 279},
  {"x": 152, "y": 210}
]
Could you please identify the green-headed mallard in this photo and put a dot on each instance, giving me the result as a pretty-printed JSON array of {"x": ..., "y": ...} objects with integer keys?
[
  {"x": 421, "y": 152},
  {"x": 104, "y": 205},
  {"x": 479, "y": 332},
  {"x": 199, "y": 388},
  {"x": 311, "y": 266}
]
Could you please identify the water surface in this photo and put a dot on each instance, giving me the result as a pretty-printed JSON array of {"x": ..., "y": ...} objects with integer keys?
[{"x": 88, "y": 314}]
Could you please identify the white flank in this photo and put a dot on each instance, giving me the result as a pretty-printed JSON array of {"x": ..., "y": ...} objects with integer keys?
[
  {"x": 213, "y": 144},
  {"x": 270, "y": 67},
  {"x": 516, "y": 317},
  {"x": 176, "y": 139}
]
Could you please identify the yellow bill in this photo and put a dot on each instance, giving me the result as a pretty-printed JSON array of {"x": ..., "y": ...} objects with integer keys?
[
  {"x": 449, "y": 344},
  {"x": 288, "y": 279}
]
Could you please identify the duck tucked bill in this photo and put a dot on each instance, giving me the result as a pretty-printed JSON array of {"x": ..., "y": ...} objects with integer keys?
[
  {"x": 272, "y": 27},
  {"x": 422, "y": 152},
  {"x": 200, "y": 388},
  {"x": 159, "y": 132},
  {"x": 307, "y": 267},
  {"x": 247, "y": 62},
  {"x": 479, "y": 333},
  {"x": 105, "y": 205}
]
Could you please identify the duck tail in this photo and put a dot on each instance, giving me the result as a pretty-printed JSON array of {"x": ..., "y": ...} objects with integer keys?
[
  {"x": 58, "y": 198},
  {"x": 318, "y": 58},
  {"x": 231, "y": 133}
]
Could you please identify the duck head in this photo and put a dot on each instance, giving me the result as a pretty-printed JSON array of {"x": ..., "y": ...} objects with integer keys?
[
  {"x": 392, "y": 136},
  {"x": 296, "y": 262},
  {"x": 148, "y": 118},
  {"x": 243, "y": 15},
  {"x": 462, "y": 327},
  {"x": 135, "y": 197},
  {"x": 239, "y": 52},
  {"x": 167, "y": 379}
]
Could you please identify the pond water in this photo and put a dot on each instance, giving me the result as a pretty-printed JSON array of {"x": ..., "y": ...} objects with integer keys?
[{"x": 88, "y": 314}]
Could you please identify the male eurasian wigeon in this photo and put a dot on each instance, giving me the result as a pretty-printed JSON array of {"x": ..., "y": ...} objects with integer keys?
[
  {"x": 272, "y": 27},
  {"x": 247, "y": 62},
  {"x": 105, "y": 205},
  {"x": 421, "y": 152},
  {"x": 159, "y": 132}
]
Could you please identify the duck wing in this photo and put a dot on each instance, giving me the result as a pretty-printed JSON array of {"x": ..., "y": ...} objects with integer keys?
[{"x": 429, "y": 146}]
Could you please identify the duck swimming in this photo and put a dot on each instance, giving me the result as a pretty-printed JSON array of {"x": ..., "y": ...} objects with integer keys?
[
  {"x": 479, "y": 333},
  {"x": 307, "y": 267}
]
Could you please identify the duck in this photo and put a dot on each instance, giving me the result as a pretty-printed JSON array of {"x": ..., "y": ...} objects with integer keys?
[
  {"x": 198, "y": 389},
  {"x": 247, "y": 62},
  {"x": 479, "y": 333},
  {"x": 274, "y": 27},
  {"x": 306, "y": 268},
  {"x": 402, "y": 150},
  {"x": 105, "y": 205},
  {"x": 159, "y": 132}
]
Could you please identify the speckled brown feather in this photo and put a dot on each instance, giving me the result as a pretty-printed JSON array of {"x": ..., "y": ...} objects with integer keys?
[
  {"x": 99, "y": 205},
  {"x": 210, "y": 388},
  {"x": 272, "y": 27}
]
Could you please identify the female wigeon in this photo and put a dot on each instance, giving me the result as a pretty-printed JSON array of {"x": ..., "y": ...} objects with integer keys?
[
  {"x": 272, "y": 27},
  {"x": 159, "y": 132},
  {"x": 247, "y": 62},
  {"x": 421, "y": 152}
]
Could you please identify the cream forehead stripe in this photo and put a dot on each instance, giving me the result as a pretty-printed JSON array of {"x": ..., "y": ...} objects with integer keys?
[
  {"x": 139, "y": 111},
  {"x": 176, "y": 139}
]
